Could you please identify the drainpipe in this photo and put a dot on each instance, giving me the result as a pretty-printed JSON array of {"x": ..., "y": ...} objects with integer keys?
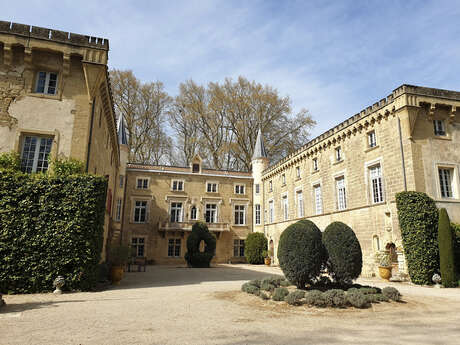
[
  {"x": 402, "y": 155},
  {"x": 90, "y": 134}
]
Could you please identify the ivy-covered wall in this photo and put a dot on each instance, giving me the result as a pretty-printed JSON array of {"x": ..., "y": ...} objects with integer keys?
[{"x": 50, "y": 226}]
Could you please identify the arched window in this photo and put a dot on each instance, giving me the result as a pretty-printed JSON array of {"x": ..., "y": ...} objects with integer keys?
[
  {"x": 376, "y": 243},
  {"x": 193, "y": 213}
]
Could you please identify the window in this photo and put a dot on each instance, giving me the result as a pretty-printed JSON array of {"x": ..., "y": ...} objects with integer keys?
[
  {"x": 238, "y": 248},
  {"x": 138, "y": 246},
  {"x": 140, "y": 211},
  {"x": 315, "y": 164},
  {"x": 341, "y": 194},
  {"x": 196, "y": 168},
  {"x": 257, "y": 214},
  {"x": 240, "y": 215},
  {"x": 371, "y": 139},
  {"x": 445, "y": 182},
  {"x": 300, "y": 208},
  {"x": 338, "y": 154},
  {"x": 376, "y": 243},
  {"x": 35, "y": 153},
  {"x": 211, "y": 213},
  {"x": 142, "y": 183},
  {"x": 270, "y": 186},
  {"x": 271, "y": 210},
  {"x": 177, "y": 185},
  {"x": 118, "y": 213},
  {"x": 122, "y": 180},
  {"x": 257, "y": 187},
  {"x": 283, "y": 179},
  {"x": 439, "y": 128},
  {"x": 174, "y": 245},
  {"x": 297, "y": 172},
  {"x": 285, "y": 207},
  {"x": 193, "y": 213},
  {"x": 375, "y": 173},
  {"x": 46, "y": 83},
  {"x": 318, "y": 199},
  {"x": 176, "y": 212},
  {"x": 239, "y": 189},
  {"x": 211, "y": 187}
]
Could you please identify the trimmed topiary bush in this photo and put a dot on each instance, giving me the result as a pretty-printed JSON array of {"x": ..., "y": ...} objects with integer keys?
[
  {"x": 295, "y": 297},
  {"x": 255, "y": 282},
  {"x": 391, "y": 293},
  {"x": 345, "y": 258},
  {"x": 194, "y": 257},
  {"x": 376, "y": 298},
  {"x": 254, "y": 245},
  {"x": 446, "y": 250},
  {"x": 250, "y": 289},
  {"x": 358, "y": 299},
  {"x": 335, "y": 298},
  {"x": 267, "y": 286},
  {"x": 301, "y": 253},
  {"x": 50, "y": 226},
  {"x": 368, "y": 291},
  {"x": 456, "y": 235},
  {"x": 315, "y": 298},
  {"x": 280, "y": 293},
  {"x": 418, "y": 220}
]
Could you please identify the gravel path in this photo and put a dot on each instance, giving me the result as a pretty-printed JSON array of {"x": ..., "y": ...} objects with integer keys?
[{"x": 170, "y": 305}]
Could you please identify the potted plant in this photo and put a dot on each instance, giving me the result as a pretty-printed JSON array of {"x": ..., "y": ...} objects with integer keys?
[
  {"x": 267, "y": 254},
  {"x": 119, "y": 257},
  {"x": 384, "y": 261}
]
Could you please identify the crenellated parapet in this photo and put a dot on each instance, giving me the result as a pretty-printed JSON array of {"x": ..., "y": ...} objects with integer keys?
[{"x": 91, "y": 49}]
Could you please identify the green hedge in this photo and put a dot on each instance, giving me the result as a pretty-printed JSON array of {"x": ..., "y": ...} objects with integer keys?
[
  {"x": 446, "y": 250},
  {"x": 418, "y": 220},
  {"x": 50, "y": 226},
  {"x": 255, "y": 244},
  {"x": 456, "y": 235}
]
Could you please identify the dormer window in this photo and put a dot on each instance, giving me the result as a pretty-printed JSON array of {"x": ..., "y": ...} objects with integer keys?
[
  {"x": 195, "y": 168},
  {"x": 46, "y": 83},
  {"x": 439, "y": 127}
]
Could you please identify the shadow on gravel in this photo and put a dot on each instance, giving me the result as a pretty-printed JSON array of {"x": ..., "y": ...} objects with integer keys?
[
  {"x": 20, "y": 307},
  {"x": 158, "y": 276}
]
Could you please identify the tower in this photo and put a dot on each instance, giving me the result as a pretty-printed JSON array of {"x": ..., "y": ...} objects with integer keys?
[{"x": 259, "y": 164}]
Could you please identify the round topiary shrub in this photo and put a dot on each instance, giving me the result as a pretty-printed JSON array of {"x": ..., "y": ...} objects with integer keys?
[
  {"x": 295, "y": 297},
  {"x": 280, "y": 293},
  {"x": 357, "y": 299},
  {"x": 301, "y": 253},
  {"x": 335, "y": 298},
  {"x": 194, "y": 257},
  {"x": 345, "y": 258},
  {"x": 254, "y": 245},
  {"x": 315, "y": 298},
  {"x": 391, "y": 293},
  {"x": 418, "y": 220}
]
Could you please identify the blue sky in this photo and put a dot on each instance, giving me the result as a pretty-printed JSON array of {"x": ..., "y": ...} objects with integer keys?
[{"x": 333, "y": 58}]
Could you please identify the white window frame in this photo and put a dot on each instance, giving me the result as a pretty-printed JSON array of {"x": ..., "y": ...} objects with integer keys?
[
  {"x": 299, "y": 203},
  {"x": 143, "y": 185},
  {"x": 241, "y": 209},
  {"x": 371, "y": 139},
  {"x": 318, "y": 198},
  {"x": 257, "y": 214},
  {"x": 178, "y": 217},
  {"x": 238, "y": 187},
  {"x": 315, "y": 165},
  {"x": 214, "y": 187},
  {"x": 341, "y": 193},
  {"x": 38, "y": 165},
  {"x": 439, "y": 127},
  {"x": 136, "y": 242},
  {"x": 380, "y": 196},
  {"x": 238, "y": 244},
  {"x": 46, "y": 87},
  {"x": 196, "y": 212},
  {"x": 285, "y": 206},
  {"x": 453, "y": 180},
  {"x": 140, "y": 207},
  {"x": 176, "y": 244},
  {"x": 118, "y": 210},
  {"x": 177, "y": 185},
  {"x": 338, "y": 154},
  {"x": 297, "y": 172},
  {"x": 215, "y": 218},
  {"x": 271, "y": 211}
]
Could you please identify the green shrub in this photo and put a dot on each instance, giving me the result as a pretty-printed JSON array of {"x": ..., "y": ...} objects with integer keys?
[
  {"x": 255, "y": 244},
  {"x": 67, "y": 166},
  {"x": 285, "y": 283},
  {"x": 315, "y": 298},
  {"x": 368, "y": 291},
  {"x": 335, "y": 298},
  {"x": 103, "y": 273},
  {"x": 376, "y": 298},
  {"x": 446, "y": 250},
  {"x": 267, "y": 286},
  {"x": 280, "y": 293},
  {"x": 10, "y": 161},
  {"x": 345, "y": 258},
  {"x": 273, "y": 280},
  {"x": 391, "y": 293},
  {"x": 456, "y": 235},
  {"x": 295, "y": 297},
  {"x": 418, "y": 220},
  {"x": 50, "y": 227},
  {"x": 358, "y": 299},
  {"x": 301, "y": 253},
  {"x": 255, "y": 282},
  {"x": 194, "y": 257},
  {"x": 250, "y": 289},
  {"x": 264, "y": 295}
]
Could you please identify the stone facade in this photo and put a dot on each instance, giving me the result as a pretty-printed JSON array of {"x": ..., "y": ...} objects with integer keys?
[
  {"x": 54, "y": 89},
  {"x": 175, "y": 198},
  {"x": 352, "y": 172}
]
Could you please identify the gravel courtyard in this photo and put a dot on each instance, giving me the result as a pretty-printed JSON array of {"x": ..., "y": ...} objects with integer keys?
[{"x": 171, "y": 305}]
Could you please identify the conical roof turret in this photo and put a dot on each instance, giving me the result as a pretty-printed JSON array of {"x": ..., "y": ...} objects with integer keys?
[
  {"x": 122, "y": 138},
  {"x": 259, "y": 149}
]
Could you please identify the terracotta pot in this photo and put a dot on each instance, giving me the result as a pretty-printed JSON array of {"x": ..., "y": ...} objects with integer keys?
[
  {"x": 385, "y": 272},
  {"x": 116, "y": 274},
  {"x": 268, "y": 261}
]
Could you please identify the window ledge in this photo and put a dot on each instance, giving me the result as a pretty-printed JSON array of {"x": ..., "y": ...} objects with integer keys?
[
  {"x": 42, "y": 95},
  {"x": 298, "y": 178},
  {"x": 369, "y": 149},
  {"x": 338, "y": 162},
  {"x": 315, "y": 171},
  {"x": 240, "y": 225},
  {"x": 442, "y": 137}
]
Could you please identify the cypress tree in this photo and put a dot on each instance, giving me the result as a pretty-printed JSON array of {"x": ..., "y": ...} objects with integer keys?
[{"x": 446, "y": 250}]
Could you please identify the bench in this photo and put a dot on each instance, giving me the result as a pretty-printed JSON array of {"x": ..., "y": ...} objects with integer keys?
[{"x": 141, "y": 264}]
